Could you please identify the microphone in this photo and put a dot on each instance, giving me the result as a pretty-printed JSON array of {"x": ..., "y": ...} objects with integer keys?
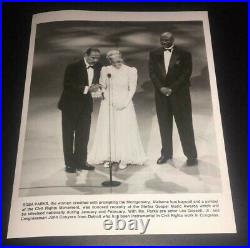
[{"x": 109, "y": 76}]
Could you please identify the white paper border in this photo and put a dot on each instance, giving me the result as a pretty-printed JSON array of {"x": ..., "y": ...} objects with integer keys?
[{"x": 76, "y": 15}]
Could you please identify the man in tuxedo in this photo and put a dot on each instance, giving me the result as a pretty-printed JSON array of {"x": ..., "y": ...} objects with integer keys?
[
  {"x": 76, "y": 103},
  {"x": 170, "y": 69}
]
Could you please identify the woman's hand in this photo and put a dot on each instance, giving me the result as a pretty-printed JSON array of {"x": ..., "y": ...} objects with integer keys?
[
  {"x": 120, "y": 106},
  {"x": 94, "y": 88}
]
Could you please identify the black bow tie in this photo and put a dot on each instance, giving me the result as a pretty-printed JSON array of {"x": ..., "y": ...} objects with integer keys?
[
  {"x": 168, "y": 49},
  {"x": 90, "y": 66}
]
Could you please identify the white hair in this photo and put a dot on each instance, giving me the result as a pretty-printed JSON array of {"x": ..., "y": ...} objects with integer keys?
[{"x": 113, "y": 53}]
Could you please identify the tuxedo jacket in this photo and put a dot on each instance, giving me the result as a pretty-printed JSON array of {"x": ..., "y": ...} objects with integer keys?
[
  {"x": 72, "y": 99},
  {"x": 179, "y": 70}
]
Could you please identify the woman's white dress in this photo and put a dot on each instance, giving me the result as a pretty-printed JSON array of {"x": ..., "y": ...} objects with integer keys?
[{"x": 117, "y": 134}]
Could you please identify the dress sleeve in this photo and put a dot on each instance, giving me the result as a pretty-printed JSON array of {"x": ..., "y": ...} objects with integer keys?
[
  {"x": 103, "y": 77},
  {"x": 132, "y": 83}
]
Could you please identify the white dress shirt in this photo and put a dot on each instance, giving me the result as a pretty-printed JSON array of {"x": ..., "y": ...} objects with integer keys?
[
  {"x": 167, "y": 57},
  {"x": 90, "y": 72}
]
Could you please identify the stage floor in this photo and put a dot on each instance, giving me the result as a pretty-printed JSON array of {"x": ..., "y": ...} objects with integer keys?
[{"x": 43, "y": 166}]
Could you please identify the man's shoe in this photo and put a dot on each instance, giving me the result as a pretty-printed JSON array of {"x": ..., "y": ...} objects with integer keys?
[
  {"x": 87, "y": 167},
  {"x": 163, "y": 159},
  {"x": 192, "y": 161},
  {"x": 70, "y": 169}
]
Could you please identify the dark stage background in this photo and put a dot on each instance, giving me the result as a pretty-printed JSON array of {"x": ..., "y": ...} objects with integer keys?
[
  {"x": 60, "y": 43},
  {"x": 63, "y": 42},
  {"x": 229, "y": 37}
]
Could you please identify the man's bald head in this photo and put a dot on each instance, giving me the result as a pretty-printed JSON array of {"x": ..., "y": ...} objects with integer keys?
[{"x": 167, "y": 39}]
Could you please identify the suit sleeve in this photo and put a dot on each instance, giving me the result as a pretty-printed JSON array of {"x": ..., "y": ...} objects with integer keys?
[
  {"x": 103, "y": 81},
  {"x": 68, "y": 84},
  {"x": 132, "y": 84},
  {"x": 185, "y": 75},
  {"x": 152, "y": 74}
]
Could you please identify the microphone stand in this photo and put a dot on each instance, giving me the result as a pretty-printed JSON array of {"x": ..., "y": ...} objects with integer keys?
[{"x": 110, "y": 183}]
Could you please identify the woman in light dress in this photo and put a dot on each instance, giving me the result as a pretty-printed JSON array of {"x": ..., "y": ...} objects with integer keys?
[{"x": 117, "y": 137}]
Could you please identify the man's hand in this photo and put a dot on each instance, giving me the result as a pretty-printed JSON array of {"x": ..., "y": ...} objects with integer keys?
[
  {"x": 94, "y": 87},
  {"x": 166, "y": 91}
]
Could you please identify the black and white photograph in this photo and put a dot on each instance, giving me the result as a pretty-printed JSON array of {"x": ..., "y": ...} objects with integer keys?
[
  {"x": 131, "y": 95},
  {"x": 123, "y": 107}
]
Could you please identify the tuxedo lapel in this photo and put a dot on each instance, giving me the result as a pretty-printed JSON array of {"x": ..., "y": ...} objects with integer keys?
[
  {"x": 96, "y": 76},
  {"x": 161, "y": 63},
  {"x": 82, "y": 72},
  {"x": 174, "y": 58},
  {"x": 172, "y": 62}
]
